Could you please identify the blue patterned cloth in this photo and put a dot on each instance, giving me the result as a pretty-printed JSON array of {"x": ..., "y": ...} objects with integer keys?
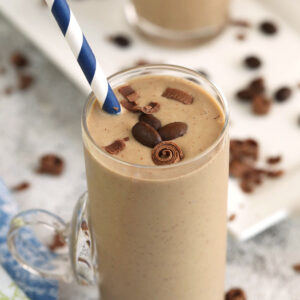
[{"x": 34, "y": 287}]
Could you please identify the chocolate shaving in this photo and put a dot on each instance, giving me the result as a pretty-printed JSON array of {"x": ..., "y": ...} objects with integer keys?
[
  {"x": 116, "y": 147},
  {"x": 178, "y": 95},
  {"x": 166, "y": 153},
  {"x": 51, "y": 164},
  {"x": 21, "y": 186},
  {"x": 130, "y": 106},
  {"x": 151, "y": 108},
  {"x": 129, "y": 93},
  {"x": 57, "y": 242}
]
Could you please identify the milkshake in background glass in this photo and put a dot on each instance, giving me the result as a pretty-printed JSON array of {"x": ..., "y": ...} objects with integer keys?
[
  {"x": 178, "y": 20},
  {"x": 160, "y": 230}
]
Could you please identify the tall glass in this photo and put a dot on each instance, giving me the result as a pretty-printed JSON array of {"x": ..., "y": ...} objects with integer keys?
[
  {"x": 160, "y": 231},
  {"x": 178, "y": 20}
]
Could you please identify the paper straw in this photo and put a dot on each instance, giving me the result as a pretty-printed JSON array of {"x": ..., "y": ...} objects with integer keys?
[{"x": 84, "y": 55}]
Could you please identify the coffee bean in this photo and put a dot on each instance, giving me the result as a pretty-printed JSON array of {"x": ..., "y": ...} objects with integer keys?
[
  {"x": 283, "y": 94},
  {"x": 120, "y": 40},
  {"x": 252, "y": 62},
  {"x": 173, "y": 130},
  {"x": 235, "y": 294},
  {"x": 146, "y": 134},
  {"x": 257, "y": 85},
  {"x": 245, "y": 95},
  {"x": 261, "y": 105},
  {"x": 268, "y": 27},
  {"x": 151, "y": 120}
]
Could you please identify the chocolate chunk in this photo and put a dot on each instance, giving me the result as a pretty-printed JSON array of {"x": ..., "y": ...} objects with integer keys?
[
  {"x": 21, "y": 186},
  {"x": 240, "y": 23},
  {"x": 178, "y": 95},
  {"x": 252, "y": 62},
  {"x": 166, "y": 153},
  {"x": 283, "y": 94},
  {"x": 238, "y": 168},
  {"x": 296, "y": 268},
  {"x": 257, "y": 85},
  {"x": 151, "y": 108},
  {"x": 57, "y": 242},
  {"x": 129, "y": 93},
  {"x": 268, "y": 27},
  {"x": 51, "y": 164},
  {"x": 131, "y": 106},
  {"x": 235, "y": 294},
  {"x": 261, "y": 105},
  {"x": 120, "y": 40},
  {"x": 146, "y": 134},
  {"x": 273, "y": 160},
  {"x": 151, "y": 120},
  {"x": 19, "y": 60},
  {"x": 116, "y": 147},
  {"x": 25, "y": 81},
  {"x": 245, "y": 95},
  {"x": 173, "y": 130}
]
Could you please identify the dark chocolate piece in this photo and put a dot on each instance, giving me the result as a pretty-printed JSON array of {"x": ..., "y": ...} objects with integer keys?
[{"x": 178, "y": 95}]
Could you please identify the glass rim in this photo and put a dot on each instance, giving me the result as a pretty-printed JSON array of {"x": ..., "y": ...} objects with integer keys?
[{"x": 170, "y": 67}]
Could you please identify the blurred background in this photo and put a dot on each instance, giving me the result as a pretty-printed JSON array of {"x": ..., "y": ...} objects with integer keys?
[{"x": 253, "y": 57}]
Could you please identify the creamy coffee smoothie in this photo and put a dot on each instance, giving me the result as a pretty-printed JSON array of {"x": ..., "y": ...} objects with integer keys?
[
  {"x": 201, "y": 17},
  {"x": 159, "y": 220}
]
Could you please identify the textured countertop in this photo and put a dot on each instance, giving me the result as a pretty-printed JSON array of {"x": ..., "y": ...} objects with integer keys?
[{"x": 46, "y": 118}]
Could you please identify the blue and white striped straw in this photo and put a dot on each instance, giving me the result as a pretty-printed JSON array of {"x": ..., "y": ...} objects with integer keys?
[{"x": 84, "y": 55}]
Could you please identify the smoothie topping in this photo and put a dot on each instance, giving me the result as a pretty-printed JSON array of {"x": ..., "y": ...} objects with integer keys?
[
  {"x": 116, "y": 147},
  {"x": 173, "y": 130},
  {"x": 261, "y": 105},
  {"x": 178, "y": 95},
  {"x": 129, "y": 93},
  {"x": 146, "y": 134},
  {"x": 151, "y": 120},
  {"x": 132, "y": 106},
  {"x": 166, "y": 153}
]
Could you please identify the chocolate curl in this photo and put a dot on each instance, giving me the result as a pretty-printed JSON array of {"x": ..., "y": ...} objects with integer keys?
[{"x": 166, "y": 153}]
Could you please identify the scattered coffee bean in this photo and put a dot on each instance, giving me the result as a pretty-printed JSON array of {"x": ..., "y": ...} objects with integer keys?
[
  {"x": 232, "y": 217},
  {"x": 116, "y": 147},
  {"x": 273, "y": 160},
  {"x": 120, "y": 40},
  {"x": 235, "y": 294},
  {"x": 252, "y": 62},
  {"x": 21, "y": 186},
  {"x": 166, "y": 153},
  {"x": 257, "y": 85},
  {"x": 173, "y": 130},
  {"x": 261, "y": 105},
  {"x": 178, "y": 95},
  {"x": 51, "y": 164},
  {"x": 296, "y": 268},
  {"x": 268, "y": 27},
  {"x": 146, "y": 134},
  {"x": 57, "y": 242},
  {"x": 25, "y": 81},
  {"x": 245, "y": 94},
  {"x": 19, "y": 60},
  {"x": 151, "y": 120},
  {"x": 283, "y": 94},
  {"x": 238, "y": 168}
]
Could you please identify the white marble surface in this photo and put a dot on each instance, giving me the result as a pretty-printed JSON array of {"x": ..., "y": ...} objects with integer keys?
[{"x": 46, "y": 118}]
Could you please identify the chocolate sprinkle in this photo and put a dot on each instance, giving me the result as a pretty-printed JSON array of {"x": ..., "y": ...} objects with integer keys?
[
  {"x": 282, "y": 94},
  {"x": 235, "y": 294},
  {"x": 178, "y": 95},
  {"x": 116, "y": 147},
  {"x": 166, "y": 153}
]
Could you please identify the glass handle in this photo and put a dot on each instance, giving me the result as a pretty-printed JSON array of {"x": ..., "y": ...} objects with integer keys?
[{"x": 39, "y": 241}]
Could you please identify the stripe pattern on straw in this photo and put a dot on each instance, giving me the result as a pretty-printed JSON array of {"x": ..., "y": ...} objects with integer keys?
[{"x": 84, "y": 55}]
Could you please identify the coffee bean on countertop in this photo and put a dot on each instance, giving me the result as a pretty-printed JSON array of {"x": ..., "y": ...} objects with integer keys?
[
  {"x": 268, "y": 27},
  {"x": 120, "y": 40},
  {"x": 235, "y": 294},
  {"x": 19, "y": 60},
  {"x": 252, "y": 62},
  {"x": 257, "y": 85},
  {"x": 146, "y": 134},
  {"x": 283, "y": 94},
  {"x": 151, "y": 120},
  {"x": 173, "y": 130},
  {"x": 261, "y": 105},
  {"x": 245, "y": 94}
]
